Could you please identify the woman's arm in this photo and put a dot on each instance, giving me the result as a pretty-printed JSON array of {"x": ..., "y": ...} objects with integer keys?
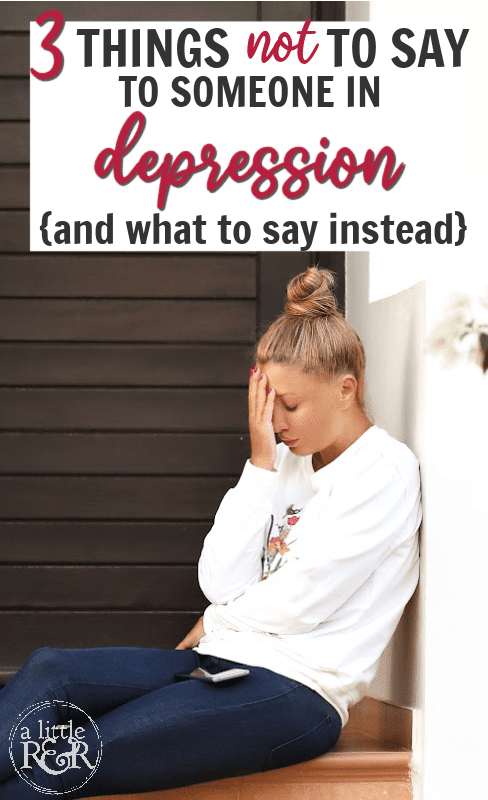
[
  {"x": 231, "y": 556},
  {"x": 359, "y": 526}
]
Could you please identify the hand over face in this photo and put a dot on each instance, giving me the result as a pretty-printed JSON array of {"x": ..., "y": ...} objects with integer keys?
[{"x": 261, "y": 403}]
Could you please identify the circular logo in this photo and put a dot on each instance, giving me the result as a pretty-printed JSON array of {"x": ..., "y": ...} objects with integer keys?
[{"x": 57, "y": 748}]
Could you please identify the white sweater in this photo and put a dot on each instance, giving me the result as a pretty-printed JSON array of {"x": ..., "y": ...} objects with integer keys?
[{"x": 308, "y": 572}]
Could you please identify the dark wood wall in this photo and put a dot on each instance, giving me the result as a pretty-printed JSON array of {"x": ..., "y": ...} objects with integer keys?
[{"x": 122, "y": 394}]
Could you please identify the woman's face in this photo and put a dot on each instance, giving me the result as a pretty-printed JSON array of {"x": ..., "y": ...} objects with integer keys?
[{"x": 310, "y": 413}]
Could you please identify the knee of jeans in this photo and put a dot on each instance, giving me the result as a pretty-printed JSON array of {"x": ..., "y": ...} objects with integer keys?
[{"x": 45, "y": 661}]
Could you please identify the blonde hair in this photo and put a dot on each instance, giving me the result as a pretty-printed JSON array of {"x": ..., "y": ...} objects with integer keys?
[{"x": 312, "y": 334}]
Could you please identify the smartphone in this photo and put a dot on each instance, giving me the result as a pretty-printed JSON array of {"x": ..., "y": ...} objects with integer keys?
[{"x": 227, "y": 676}]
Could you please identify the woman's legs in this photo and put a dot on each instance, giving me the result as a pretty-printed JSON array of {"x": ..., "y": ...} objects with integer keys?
[
  {"x": 189, "y": 731},
  {"x": 96, "y": 680}
]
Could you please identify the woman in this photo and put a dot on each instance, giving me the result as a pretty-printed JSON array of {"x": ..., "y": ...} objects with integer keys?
[{"x": 310, "y": 562}]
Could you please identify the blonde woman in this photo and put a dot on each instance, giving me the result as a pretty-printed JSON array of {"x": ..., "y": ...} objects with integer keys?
[{"x": 307, "y": 569}]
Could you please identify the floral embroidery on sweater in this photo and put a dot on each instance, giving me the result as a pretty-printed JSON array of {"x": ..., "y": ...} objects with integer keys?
[{"x": 277, "y": 546}]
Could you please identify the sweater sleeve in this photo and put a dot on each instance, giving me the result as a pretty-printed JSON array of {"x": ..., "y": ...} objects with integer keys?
[
  {"x": 231, "y": 555},
  {"x": 342, "y": 542}
]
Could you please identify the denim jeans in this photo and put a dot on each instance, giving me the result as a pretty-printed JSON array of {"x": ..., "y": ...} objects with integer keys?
[{"x": 158, "y": 732}]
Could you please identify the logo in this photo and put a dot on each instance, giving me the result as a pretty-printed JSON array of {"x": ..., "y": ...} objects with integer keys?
[{"x": 55, "y": 748}]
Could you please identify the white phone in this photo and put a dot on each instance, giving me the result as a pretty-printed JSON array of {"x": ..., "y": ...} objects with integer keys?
[{"x": 226, "y": 676}]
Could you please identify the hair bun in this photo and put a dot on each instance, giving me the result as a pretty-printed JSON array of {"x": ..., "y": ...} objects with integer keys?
[{"x": 310, "y": 295}]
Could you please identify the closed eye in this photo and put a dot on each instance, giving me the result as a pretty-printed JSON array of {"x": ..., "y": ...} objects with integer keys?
[{"x": 290, "y": 408}]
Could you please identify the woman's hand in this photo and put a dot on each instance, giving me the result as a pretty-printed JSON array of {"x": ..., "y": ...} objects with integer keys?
[
  {"x": 261, "y": 402},
  {"x": 192, "y": 638}
]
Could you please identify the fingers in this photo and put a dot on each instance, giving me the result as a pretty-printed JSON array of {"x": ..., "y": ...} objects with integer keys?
[
  {"x": 192, "y": 638},
  {"x": 253, "y": 389},
  {"x": 255, "y": 383},
  {"x": 261, "y": 403},
  {"x": 268, "y": 410},
  {"x": 260, "y": 398},
  {"x": 262, "y": 388}
]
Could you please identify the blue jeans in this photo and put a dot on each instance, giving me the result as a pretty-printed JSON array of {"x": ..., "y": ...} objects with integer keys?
[{"x": 158, "y": 732}]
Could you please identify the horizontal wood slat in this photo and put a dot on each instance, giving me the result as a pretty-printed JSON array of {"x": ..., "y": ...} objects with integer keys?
[
  {"x": 334, "y": 11},
  {"x": 124, "y": 365},
  {"x": 14, "y": 232},
  {"x": 14, "y": 99},
  {"x": 15, "y": 16},
  {"x": 135, "y": 587},
  {"x": 160, "y": 276},
  {"x": 14, "y": 55},
  {"x": 123, "y": 454},
  {"x": 103, "y": 542},
  {"x": 14, "y": 188},
  {"x": 118, "y": 409},
  {"x": 286, "y": 10},
  {"x": 14, "y": 142},
  {"x": 126, "y": 320},
  {"x": 25, "y": 631},
  {"x": 167, "y": 498}
]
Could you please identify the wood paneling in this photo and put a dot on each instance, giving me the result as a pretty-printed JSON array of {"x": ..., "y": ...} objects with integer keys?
[
  {"x": 14, "y": 231},
  {"x": 126, "y": 320},
  {"x": 14, "y": 189},
  {"x": 138, "y": 409},
  {"x": 124, "y": 365},
  {"x": 330, "y": 12},
  {"x": 15, "y": 16},
  {"x": 123, "y": 412},
  {"x": 89, "y": 497},
  {"x": 123, "y": 453},
  {"x": 14, "y": 99},
  {"x": 14, "y": 55},
  {"x": 284, "y": 10},
  {"x": 90, "y": 542},
  {"x": 138, "y": 587},
  {"x": 25, "y": 631},
  {"x": 14, "y": 143},
  {"x": 165, "y": 275}
]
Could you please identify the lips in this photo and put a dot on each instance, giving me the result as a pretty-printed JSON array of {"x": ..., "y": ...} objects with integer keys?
[{"x": 290, "y": 442}]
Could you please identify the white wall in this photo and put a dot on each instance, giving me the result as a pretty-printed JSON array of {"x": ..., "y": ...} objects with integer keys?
[
  {"x": 392, "y": 331},
  {"x": 441, "y": 411}
]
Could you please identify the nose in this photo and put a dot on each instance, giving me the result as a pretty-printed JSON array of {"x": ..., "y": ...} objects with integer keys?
[{"x": 279, "y": 422}]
